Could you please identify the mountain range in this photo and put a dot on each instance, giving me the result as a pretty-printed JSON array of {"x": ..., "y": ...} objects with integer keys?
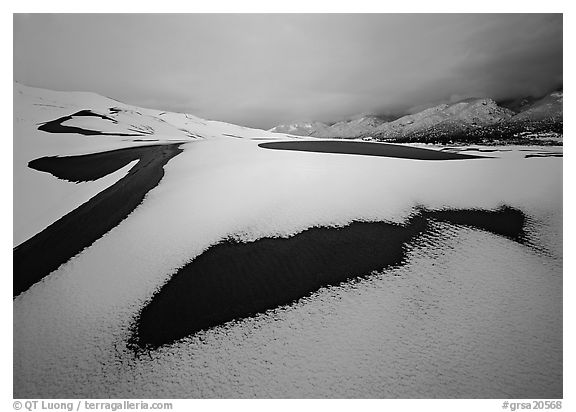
[{"x": 478, "y": 120}]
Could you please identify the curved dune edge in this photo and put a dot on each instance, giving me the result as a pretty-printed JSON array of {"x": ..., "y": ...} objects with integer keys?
[
  {"x": 85, "y": 168},
  {"x": 367, "y": 149},
  {"x": 46, "y": 251},
  {"x": 234, "y": 280},
  {"x": 56, "y": 126}
]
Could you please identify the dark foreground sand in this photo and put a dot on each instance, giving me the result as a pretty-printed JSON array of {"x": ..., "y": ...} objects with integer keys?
[
  {"x": 366, "y": 149},
  {"x": 69, "y": 235},
  {"x": 234, "y": 280}
]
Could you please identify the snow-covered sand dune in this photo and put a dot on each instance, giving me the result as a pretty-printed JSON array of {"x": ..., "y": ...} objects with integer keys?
[
  {"x": 78, "y": 229},
  {"x": 233, "y": 280},
  {"x": 111, "y": 125},
  {"x": 468, "y": 314}
]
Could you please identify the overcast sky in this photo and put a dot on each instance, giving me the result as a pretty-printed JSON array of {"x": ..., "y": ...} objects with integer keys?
[{"x": 261, "y": 70}]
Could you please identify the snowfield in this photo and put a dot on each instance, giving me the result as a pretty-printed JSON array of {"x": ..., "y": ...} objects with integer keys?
[
  {"x": 39, "y": 198},
  {"x": 470, "y": 314}
]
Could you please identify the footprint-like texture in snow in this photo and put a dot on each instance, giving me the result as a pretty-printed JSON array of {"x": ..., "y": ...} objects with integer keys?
[{"x": 235, "y": 280}]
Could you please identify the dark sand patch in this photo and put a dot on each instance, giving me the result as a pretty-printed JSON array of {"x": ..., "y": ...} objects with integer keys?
[
  {"x": 367, "y": 149},
  {"x": 56, "y": 126},
  {"x": 46, "y": 251},
  {"x": 83, "y": 168},
  {"x": 234, "y": 280},
  {"x": 505, "y": 221},
  {"x": 528, "y": 156}
]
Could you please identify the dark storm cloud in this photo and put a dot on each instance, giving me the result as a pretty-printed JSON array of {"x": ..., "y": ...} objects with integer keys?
[
  {"x": 261, "y": 70},
  {"x": 515, "y": 55}
]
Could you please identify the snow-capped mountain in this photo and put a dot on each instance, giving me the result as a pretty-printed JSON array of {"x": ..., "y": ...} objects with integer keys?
[
  {"x": 467, "y": 118},
  {"x": 461, "y": 116},
  {"x": 315, "y": 129},
  {"x": 345, "y": 128},
  {"x": 549, "y": 108}
]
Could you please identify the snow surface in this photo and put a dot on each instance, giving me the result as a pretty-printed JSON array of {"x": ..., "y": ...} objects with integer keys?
[
  {"x": 470, "y": 315},
  {"x": 60, "y": 197},
  {"x": 40, "y": 199}
]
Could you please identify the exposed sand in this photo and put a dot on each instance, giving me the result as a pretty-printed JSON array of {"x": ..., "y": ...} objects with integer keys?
[
  {"x": 233, "y": 280},
  {"x": 83, "y": 168},
  {"x": 366, "y": 149},
  {"x": 56, "y": 126},
  {"x": 69, "y": 235}
]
